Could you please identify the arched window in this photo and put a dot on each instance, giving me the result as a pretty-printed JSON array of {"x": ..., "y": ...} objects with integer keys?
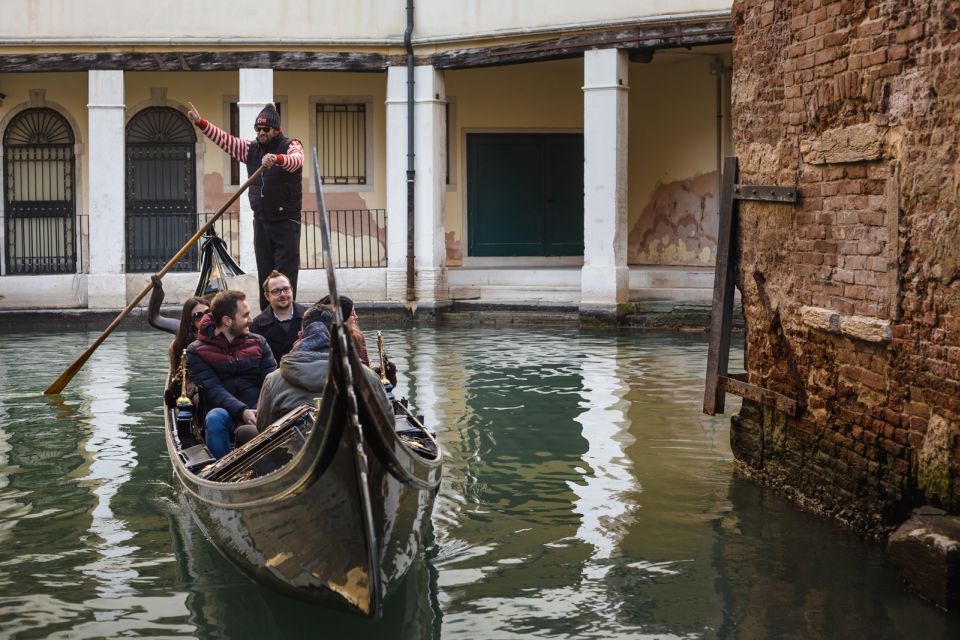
[
  {"x": 161, "y": 189},
  {"x": 39, "y": 195}
]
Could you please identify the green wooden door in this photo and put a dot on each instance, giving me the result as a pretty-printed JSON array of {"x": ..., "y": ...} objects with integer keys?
[{"x": 525, "y": 194}]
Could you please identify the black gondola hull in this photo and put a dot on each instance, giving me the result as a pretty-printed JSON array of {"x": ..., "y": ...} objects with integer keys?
[{"x": 341, "y": 522}]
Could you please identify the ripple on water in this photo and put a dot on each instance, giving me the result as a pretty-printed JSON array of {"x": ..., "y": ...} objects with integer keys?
[{"x": 584, "y": 495}]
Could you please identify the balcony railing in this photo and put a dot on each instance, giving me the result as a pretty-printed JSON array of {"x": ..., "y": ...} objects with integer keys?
[
  {"x": 358, "y": 238},
  {"x": 154, "y": 238}
]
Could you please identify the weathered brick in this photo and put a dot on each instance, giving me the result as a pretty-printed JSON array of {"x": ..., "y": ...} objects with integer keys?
[
  {"x": 911, "y": 33},
  {"x": 875, "y": 58},
  {"x": 836, "y": 65}
]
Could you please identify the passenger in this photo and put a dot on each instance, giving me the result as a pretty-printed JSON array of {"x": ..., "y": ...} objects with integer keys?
[
  {"x": 185, "y": 332},
  {"x": 302, "y": 373},
  {"x": 352, "y": 321},
  {"x": 230, "y": 364},
  {"x": 349, "y": 310},
  {"x": 280, "y": 322}
]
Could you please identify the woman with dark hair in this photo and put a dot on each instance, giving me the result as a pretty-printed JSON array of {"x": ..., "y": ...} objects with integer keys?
[
  {"x": 184, "y": 330},
  {"x": 349, "y": 312},
  {"x": 193, "y": 311}
]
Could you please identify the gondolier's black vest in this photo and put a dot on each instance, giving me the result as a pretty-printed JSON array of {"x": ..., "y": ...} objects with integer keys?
[{"x": 278, "y": 194}]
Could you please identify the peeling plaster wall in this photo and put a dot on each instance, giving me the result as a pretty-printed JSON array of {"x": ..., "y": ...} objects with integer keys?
[
  {"x": 679, "y": 224},
  {"x": 672, "y": 161},
  {"x": 672, "y": 145}
]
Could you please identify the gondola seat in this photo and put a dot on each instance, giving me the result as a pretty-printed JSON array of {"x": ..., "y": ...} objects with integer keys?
[{"x": 196, "y": 457}]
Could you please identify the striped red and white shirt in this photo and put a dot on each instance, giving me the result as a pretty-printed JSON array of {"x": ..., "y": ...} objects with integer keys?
[{"x": 237, "y": 149}]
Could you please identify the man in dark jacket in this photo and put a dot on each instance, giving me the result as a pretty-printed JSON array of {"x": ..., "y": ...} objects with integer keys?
[
  {"x": 230, "y": 364},
  {"x": 280, "y": 322},
  {"x": 276, "y": 198}
]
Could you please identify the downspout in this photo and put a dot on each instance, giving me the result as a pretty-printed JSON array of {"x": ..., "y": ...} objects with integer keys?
[
  {"x": 717, "y": 69},
  {"x": 411, "y": 172}
]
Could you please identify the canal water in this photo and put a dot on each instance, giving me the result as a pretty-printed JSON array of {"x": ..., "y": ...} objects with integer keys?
[{"x": 584, "y": 496}]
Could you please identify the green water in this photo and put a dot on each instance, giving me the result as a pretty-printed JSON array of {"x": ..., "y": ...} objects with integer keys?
[{"x": 584, "y": 496}]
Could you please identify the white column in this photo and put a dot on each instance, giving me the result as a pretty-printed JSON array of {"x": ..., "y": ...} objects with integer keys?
[
  {"x": 256, "y": 90},
  {"x": 106, "y": 283},
  {"x": 604, "y": 277},
  {"x": 430, "y": 148},
  {"x": 397, "y": 184}
]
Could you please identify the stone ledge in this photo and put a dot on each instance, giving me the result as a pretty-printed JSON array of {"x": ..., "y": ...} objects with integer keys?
[
  {"x": 926, "y": 550},
  {"x": 857, "y": 327},
  {"x": 856, "y": 143}
]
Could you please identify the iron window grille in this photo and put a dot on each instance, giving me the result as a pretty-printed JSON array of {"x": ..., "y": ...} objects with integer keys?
[
  {"x": 39, "y": 194},
  {"x": 161, "y": 203},
  {"x": 342, "y": 142}
]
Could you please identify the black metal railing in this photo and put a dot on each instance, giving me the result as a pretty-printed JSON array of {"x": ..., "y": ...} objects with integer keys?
[
  {"x": 358, "y": 239},
  {"x": 154, "y": 238},
  {"x": 41, "y": 244}
]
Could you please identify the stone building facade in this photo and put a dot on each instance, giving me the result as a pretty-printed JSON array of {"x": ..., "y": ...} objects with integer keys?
[
  {"x": 564, "y": 154},
  {"x": 852, "y": 297}
]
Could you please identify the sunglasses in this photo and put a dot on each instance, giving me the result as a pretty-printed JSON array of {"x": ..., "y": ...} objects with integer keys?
[
  {"x": 198, "y": 314},
  {"x": 262, "y": 129}
]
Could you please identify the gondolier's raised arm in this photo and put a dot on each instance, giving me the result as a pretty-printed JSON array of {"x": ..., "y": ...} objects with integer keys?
[{"x": 237, "y": 148}]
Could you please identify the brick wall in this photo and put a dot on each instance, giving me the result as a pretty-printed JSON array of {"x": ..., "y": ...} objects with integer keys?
[{"x": 852, "y": 297}]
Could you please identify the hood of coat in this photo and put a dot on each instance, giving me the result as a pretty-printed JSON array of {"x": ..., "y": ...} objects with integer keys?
[{"x": 305, "y": 369}]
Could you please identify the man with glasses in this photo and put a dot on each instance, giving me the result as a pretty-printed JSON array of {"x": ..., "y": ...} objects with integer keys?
[
  {"x": 276, "y": 198},
  {"x": 280, "y": 322}
]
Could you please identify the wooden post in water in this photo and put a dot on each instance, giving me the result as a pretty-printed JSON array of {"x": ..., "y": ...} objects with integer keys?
[{"x": 719, "y": 381}]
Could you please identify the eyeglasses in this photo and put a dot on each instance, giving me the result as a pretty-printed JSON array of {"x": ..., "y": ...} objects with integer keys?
[
  {"x": 279, "y": 291},
  {"x": 262, "y": 129},
  {"x": 198, "y": 314}
]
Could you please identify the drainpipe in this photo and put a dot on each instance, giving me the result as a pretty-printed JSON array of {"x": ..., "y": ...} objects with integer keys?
[
  {"x": 717, "y": 69},
  {"x": 411, "y": 172}
]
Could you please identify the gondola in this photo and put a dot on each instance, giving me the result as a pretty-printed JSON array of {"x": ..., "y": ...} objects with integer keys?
[{"x": 331, "y": 503}]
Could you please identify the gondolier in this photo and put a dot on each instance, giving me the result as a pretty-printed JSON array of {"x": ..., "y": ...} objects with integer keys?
[{"x": 276, "y": 199}]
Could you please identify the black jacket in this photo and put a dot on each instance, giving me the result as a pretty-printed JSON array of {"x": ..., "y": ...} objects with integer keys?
[
  {"x": 280, "y": 335},
  {"x": 230, "y": 374},
  {"x": 278, "y": 194}
]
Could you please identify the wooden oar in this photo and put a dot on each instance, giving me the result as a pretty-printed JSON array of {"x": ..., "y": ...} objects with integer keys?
[{"x": 72, "y": 370}]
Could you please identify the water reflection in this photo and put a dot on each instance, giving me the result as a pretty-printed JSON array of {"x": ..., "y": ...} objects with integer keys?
[
  {"x": 584, "y": 495},
  {"x": 110, "y": 458},
  {"x": 604, "y": 502}
]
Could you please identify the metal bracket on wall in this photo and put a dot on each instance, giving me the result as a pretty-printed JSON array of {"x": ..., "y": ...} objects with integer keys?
[{"x": 719, "y": 382}]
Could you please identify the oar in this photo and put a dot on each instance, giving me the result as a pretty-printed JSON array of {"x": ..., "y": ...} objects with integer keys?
[{"x": 72, "y": 370}]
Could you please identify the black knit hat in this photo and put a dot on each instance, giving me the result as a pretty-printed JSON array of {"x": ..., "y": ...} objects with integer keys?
[
  {"x": 268, "y": 117},
  {"x": 346, "y": 305}
]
